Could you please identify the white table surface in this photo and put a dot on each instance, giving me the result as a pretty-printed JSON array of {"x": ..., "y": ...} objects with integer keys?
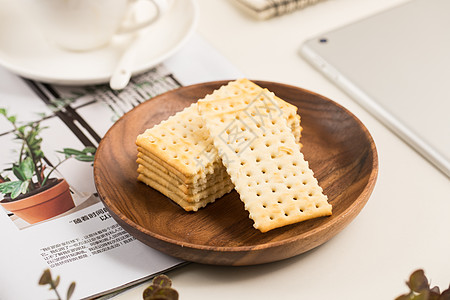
[{"x": 406, "y": 222}]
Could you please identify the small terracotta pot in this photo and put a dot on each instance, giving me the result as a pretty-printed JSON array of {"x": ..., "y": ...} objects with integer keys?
[{"x": 42, "y": 206}]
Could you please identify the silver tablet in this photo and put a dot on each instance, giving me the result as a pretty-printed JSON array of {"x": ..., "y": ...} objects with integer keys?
[{"x": 396, "y": 64}]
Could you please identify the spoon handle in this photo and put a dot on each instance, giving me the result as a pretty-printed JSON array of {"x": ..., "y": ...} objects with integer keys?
[{"x": 122, "y": 73}]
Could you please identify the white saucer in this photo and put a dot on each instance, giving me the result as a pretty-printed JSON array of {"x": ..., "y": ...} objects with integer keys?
[{"x": 24, "y": 51}]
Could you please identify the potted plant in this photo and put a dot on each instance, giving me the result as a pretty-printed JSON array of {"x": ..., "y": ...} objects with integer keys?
[{"x": 34, "y": 195}]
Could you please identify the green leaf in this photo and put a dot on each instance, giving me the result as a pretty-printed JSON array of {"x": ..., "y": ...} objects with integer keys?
[
  {"x": 41, "y": 128},
  {"x": 21, "y": 129},
  {"x": 3, "y": 111},
  {"x": 35, "y": 143},
  {"x": 24, "y": 187},
  {"x": 19, "y": 189},
  {"x": 90, "y": 150},
  {"x": 70, "y": 290},
  {"x": 8, "y": 186},
  {"x": 41, "y": 115},
  {"x": 12, "y": 119},
  {"x": 84, "y": 157},
  {"x": 27, "y": 167},
  {"x": 25, "y": 170},
  {"x": 46, "y": 277},
  {"x": 17, "y": 170},
  {"x": 70, "y": 152},
  {"x": 38, "y": 154}
]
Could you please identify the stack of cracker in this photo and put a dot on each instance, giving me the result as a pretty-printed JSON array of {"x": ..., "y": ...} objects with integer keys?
[
  {"x": 268, "y": 170},
  {"x": 177, "y": 157}
]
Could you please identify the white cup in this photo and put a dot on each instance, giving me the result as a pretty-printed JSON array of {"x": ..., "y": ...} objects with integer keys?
[{"x": 81, "y": 25}]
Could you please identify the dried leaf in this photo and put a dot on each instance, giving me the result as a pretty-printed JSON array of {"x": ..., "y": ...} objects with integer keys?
[
  {"x": 433, "y": 295},
  {"x": 56, "y": 282},
  {"x": 46, "y": 277},
  {"x": 167, "y": 292},
  {"x": 445, "y": 295},
  {"x": 162, "y": 280},
  {"x": 70, "y": 290},
  {"x": 403, "y": 297},
  {"x": 418, "y": 282},
  {"x": 149, "y": 291},
  {"x": 422, "y": 296},
  {"x": 436, "y": 290}
]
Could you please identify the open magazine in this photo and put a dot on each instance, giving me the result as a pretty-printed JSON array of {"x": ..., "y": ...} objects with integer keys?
[{"x": 80, "y": 241}]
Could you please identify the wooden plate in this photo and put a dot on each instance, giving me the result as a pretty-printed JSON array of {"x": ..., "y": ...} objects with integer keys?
[{"x": 338, "y": 147}]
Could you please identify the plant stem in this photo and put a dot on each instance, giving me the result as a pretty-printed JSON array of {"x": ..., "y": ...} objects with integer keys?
[
  {"x": 53, "y": 169},
  {"x": 35, "y": 162},
  {"x": 52, "y": 284},
  {"x": 21, "y": 151},
  {"x": 33, "y": 157}
]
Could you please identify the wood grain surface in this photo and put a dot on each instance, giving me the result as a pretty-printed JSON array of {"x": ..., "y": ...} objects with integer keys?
[{"x": 338, "y": 147}]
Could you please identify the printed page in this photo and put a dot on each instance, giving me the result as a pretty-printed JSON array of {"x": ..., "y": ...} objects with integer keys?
[{"x": 76, "y": 238}]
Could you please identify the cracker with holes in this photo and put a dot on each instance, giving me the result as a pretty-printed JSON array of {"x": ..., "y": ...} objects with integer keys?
[
  {"x": 261, "y": 156},
  {"x": 177, "y": 157}
]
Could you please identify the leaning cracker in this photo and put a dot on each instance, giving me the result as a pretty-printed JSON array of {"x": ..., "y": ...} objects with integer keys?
[
  {"x": 184, "y": 143},
  {"x": 262, "y": 158},
  {"x": 181, "y": 147}
]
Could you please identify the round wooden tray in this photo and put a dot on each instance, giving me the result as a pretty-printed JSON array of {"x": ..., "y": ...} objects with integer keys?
[{"x": 338, "y": 147}]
